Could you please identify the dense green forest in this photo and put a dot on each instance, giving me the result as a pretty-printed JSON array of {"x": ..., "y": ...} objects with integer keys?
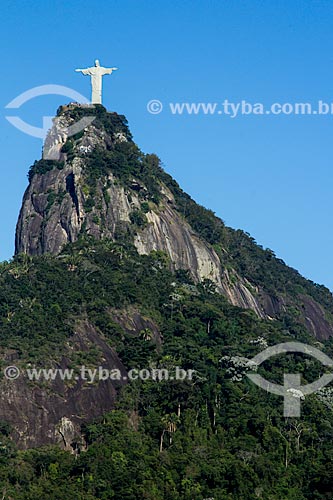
[{"x": 211, "y": 437}]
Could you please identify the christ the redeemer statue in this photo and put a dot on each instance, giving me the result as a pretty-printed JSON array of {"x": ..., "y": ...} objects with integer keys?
[{"x": 96, "y": 72}]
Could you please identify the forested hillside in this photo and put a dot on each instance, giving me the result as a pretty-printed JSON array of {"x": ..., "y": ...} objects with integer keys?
[{"x": 116, "y": 266}]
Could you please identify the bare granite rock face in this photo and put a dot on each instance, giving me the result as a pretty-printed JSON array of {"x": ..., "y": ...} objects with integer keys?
[{"x": 48, "y": 412}]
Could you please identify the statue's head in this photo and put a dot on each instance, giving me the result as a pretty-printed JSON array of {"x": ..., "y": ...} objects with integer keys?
[{"x": 97, "y": 63}]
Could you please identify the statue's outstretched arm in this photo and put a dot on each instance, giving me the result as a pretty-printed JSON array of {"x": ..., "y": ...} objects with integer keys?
[
  {"x": 108, "y": 71},
  {"x": 84, "y": 71}
]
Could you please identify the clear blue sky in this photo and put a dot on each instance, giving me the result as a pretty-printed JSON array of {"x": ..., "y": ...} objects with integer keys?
[{"x": 269, "y": 175}]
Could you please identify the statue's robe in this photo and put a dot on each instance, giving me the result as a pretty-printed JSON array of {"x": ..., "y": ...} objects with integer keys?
[{"x": 96, "y": 73}]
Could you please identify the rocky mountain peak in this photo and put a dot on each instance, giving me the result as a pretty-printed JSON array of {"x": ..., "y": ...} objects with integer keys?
[{"x": 94, "y": 182}]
